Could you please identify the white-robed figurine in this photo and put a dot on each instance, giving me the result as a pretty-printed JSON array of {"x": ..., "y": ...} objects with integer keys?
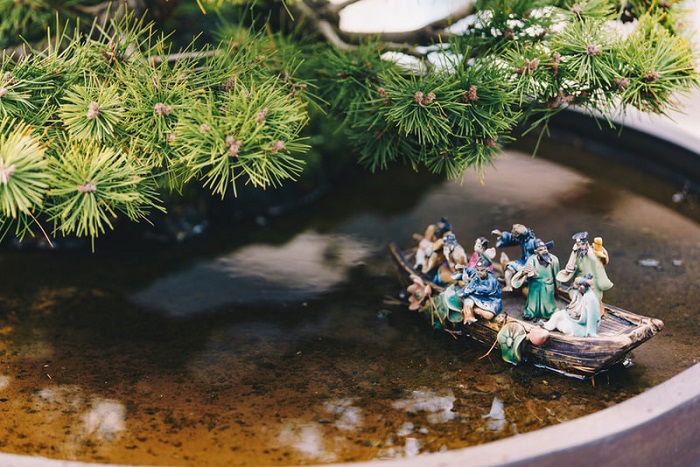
[
  {"x": 581, "y": 318},
  {"x": 585, "y": 260}
]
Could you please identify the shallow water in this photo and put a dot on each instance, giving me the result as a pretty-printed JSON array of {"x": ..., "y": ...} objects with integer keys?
[{"x": 282, "y": 345}]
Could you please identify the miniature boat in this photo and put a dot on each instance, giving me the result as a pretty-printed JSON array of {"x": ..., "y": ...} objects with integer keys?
[{"x": 620, "y": 331}]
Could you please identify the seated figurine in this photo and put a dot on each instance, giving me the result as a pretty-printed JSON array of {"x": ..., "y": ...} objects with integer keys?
[
  {"x": 481, "y": 295},
  {"x": 481, "y": 249},
  {"x": 433, "y": 233},
  {"x": 454, "y": 258},
  {"x": 581, "y": 318}
]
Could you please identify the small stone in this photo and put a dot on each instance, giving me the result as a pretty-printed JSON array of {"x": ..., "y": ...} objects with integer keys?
[
  {"x": 678, "y": 197},
  {"x": 649, "y": 263},
  {"x": 677, "y": 262}
]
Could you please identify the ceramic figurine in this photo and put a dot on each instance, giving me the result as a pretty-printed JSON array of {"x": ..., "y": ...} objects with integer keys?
[
  {"x": 540, "y": 272},
  {"x": 482, "y": 293},
  {"x": 481, "y": 249},
  {"x": 453, "y": 255},
  {"x": 519, "y": 235},
  {"x": 584, "y": 260},
  {"x": 580, "y": 340},
  {"x": 418, "y": 293},
  {"x": 433, "y": 233},
  {"x": 581, "y": 317},
  {"x": 582, "y": 337}
]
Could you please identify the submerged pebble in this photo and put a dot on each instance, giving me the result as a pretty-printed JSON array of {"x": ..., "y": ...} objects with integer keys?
[{"x": 649, "y": 263}]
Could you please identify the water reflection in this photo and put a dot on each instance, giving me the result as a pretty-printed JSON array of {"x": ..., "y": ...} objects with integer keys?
[
  {"x": 304, "y": 268},
  {"x": 438, "y": 407},
  {"x": 277, "y": 347},
  {"x": 496, "y": 417}
]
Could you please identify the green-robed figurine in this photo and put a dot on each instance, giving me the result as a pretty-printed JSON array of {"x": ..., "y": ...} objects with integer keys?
[
  {"x": 540, "y": 272},
  {"x": 583, "y": 260}
]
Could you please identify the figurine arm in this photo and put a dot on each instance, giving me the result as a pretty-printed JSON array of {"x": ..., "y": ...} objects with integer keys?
[
  {"x": 489, "y": 287},
  {"x": 521, "y": 276},
  {"x": 566, "y": 274},
  {"x": 506, "y": 239}
]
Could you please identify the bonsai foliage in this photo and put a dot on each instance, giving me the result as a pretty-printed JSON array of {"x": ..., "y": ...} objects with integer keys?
[
  {"x": 103, "y": 120},
  {"x": 114, "y": 118}
]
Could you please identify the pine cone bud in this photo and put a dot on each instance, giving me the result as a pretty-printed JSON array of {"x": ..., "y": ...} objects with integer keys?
[
  {"x": 6, "y": 173},
  {"x": 418, "y": 97},
  {"x": 161, "y": 109},
  {"x": 87, "y": 187},
  {"x": 277, "y": 146},
  {"x": 593, "y": 50},
  {"x": 230, "y": 83},
  {"x": 262, "y": 115},
  {"x": 651, "y": 76},
  {"x": 171, "y": 137},
  {"x": 622, "y": 83},
  {"x": 204, "y": 128},
  {"x": 556, "y": 59},
  {"x": 576, "y": 9},
  {"x": 93, "y": 110},
  {"x": 421, "y": 99},
  {"x": 490, "y": 142},
  {"x": 3, "y": 92},
  {"x": 470, "y": 95},
  {"x": 233, "y": 145},
  {"x": 529, "y": 65}
]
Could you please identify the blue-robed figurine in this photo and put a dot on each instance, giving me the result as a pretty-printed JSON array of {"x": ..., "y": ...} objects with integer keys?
[
  {"x": 482, "y": 293},
  {"x": 519, "y": 235}
]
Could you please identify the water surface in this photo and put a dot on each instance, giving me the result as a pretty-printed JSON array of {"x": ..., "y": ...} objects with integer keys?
[{"x": 282, "y": 344}]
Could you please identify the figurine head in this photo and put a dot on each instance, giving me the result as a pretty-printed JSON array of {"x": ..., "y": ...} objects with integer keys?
[
  {"x": 583, "y": 283},
  {"x": 450, "y": 241},
  {"x": 542, "y": 252},
  {"x": 581, "y": 239},
  {"x": 520, "y": 231},
  {"x": 481, "y": 244},
  {"x": 443, "y": 226},
  {"x": 482, "y": 268}
]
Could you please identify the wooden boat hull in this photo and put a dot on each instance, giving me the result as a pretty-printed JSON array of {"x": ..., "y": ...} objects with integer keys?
[{"x": 579, "y": 357}]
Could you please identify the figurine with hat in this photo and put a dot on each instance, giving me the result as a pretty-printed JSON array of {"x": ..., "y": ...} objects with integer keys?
[
  {"x": 581, "y": 317},
  {"x": 481, "y": 296},
  {"x": 584, "y": 261},
  {"x": 519, "y": 235},
  {"x": 540, "y": 272}
]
